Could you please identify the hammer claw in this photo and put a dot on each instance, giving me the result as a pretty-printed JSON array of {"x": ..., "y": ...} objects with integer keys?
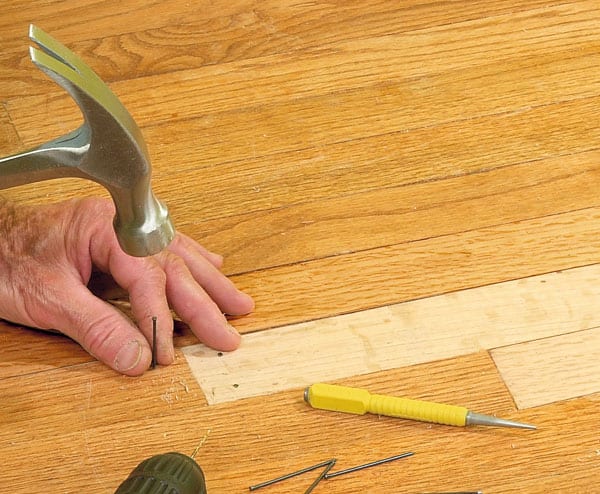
[{"x": 56, "y": 50}]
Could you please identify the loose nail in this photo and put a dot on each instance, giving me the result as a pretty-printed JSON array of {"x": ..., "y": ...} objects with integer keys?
[{"x": 154, "y": 344}]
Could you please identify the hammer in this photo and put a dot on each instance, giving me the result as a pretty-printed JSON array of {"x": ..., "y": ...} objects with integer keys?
[{"x": 108, "y": 149}]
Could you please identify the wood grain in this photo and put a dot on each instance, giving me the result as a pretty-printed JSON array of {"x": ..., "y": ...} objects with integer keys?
[
  {"x": 350, "y": 159},
  {"x": 573, "y": 370},
  {"x": 9, "y": 141},
  {"x": 398, "y": 273},
  {"x": 169, "y": 38},
  {"x": 404, "y": 88},
  {"x": 238, "y": 453},
  {"x": 398, "y": 215}
]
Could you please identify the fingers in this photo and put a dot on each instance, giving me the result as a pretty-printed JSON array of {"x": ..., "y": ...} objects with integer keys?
[
  {"x": 215, "y": 259},
  {"x": 199, "y": 295},
  {"x": 220, "y": 288},
  {"x": 195, "y": 307},
  {"x": 68, "y": 240}
]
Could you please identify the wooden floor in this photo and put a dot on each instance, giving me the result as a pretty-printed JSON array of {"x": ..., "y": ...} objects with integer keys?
[{"x": 409, "y": 189}]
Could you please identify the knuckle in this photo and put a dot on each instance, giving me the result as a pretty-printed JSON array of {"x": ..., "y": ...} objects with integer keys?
[
  {"x": 175, "y": 265},
  {"x": 154, "y": 273}
]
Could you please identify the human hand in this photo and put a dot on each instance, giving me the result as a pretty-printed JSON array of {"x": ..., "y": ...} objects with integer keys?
[{"x": 47, "y": 254}]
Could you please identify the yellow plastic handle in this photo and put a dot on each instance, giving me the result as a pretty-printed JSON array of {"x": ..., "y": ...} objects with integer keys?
[
  {"x": 360, "y": 401},
  {"x": 424, "y": 411}
]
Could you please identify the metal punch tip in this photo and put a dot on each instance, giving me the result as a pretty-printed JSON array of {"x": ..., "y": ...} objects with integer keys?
[{"x": 480, "y": 419}]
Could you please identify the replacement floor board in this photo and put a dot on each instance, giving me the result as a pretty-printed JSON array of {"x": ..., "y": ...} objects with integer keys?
[
  {"x": 402, "y": 335},
  {"x": 552, "y": 369}
]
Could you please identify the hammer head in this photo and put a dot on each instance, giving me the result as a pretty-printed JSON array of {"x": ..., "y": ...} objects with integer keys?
[{"x": 108, "y": 149}]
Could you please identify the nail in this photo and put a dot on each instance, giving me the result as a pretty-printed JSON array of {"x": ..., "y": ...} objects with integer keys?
[
  {"x": 322, "y": 475},
  {"x": 128, "y": 356},
  {"x": 367, "y": 465},
  {"x": 154, "y": 344},
  {"x": 293, "y": 474}
]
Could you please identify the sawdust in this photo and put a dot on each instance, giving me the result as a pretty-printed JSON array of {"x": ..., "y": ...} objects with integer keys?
[{"x": 172, "y": 394}]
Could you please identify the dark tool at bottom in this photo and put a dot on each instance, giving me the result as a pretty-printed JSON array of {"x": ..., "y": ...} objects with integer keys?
[{"x": 173, "y": 473}]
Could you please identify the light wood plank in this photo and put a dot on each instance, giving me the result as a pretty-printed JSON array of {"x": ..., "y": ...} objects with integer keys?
[
  {"x": 552, "y": 369},
  {"x": 423, "y": 331}
]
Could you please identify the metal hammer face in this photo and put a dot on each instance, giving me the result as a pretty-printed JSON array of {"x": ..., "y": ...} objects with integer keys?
[{"x": 108, "y": 149}]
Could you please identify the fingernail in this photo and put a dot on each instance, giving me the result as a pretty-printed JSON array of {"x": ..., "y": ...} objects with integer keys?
[
  {"x": 171, "y": 353},
  {"x": 129, "y": 356},
  {"x": 232, "y": 330}
]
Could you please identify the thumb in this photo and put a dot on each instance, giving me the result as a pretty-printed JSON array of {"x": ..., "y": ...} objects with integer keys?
[{"x": 102, "y": 330}]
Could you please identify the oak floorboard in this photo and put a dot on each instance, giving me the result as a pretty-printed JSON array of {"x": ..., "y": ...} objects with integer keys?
[
  {"x": 398, "y": 215},
  {"x": 166, "y": 410},
  {"x": 533, "y": 139},
  {"x": 337, "y": 285},
  {"x": 9, "y": 140},
  {"x": 425, "y": 89},
  {"x": 168, "y": 38}
]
